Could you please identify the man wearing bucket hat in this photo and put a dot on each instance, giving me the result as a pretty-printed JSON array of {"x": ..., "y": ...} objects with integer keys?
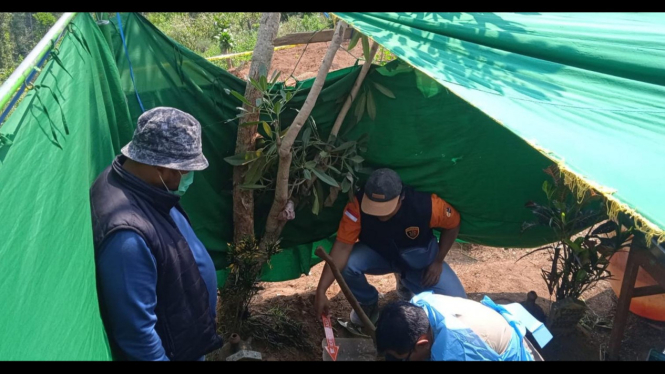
[
  {"x": 387, "y": 228},
  {"x": 156, "y": 282}
]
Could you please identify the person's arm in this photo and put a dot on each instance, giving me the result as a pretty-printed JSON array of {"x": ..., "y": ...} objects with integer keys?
[
  {"x": 446, "y": 218},
  {"x": 347, "y": 235},
  {"x": 128, "y": 282}
]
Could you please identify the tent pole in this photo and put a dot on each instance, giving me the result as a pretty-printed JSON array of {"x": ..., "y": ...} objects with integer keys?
[
  {"x": 354, "y": 91},
  {"x": 12, "y": 84}
]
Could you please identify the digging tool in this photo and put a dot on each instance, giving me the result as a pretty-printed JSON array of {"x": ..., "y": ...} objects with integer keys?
[{"x": 347, "y": 292}]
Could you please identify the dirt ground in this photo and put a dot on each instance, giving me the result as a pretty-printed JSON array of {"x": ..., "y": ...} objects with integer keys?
[
  {"x": 482, "y": 270},
  {"x": 286, "y": 60}
]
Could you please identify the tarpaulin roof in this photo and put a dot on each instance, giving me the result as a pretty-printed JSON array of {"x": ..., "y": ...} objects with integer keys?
[{"x": 586, "y": 89}]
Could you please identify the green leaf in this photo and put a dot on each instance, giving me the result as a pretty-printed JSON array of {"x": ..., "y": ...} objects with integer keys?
[
  {"x": 581, "y": 275},
  {"x": 308, "y": 174},
  {"x": 334, "y": 169},
  {"x": 345, "y": 146},
  {"x": 315, "y": 205},
  {"x": 384, "y": 90},
  {"x": 365, "y": 47},
  {"x": 323, "y": 154},
  {"x": 558, "y": 204},
  {"x": 264, "y": 83},
  {"x": 251, "y": 186},
  {"x": 310, "y": 164},
  {"x": 255, "y": 84},
  {"x": 354, "y": 39},
  {"x": 241, "y": 158},
  {"x": 360, "y": 106},
  {"x": 346, "y": 185},
  {"x": 250, "y": 123},
  {"x": 546, "y": 188},
  {"x": 240, "y": 97},
  {"x": 275, "y": 76},
  {"x": 267, "y": 129},
  {"x": 255, "y": 171},
  {"x": 278, "y": 106},
  {"x": 305, "y": 135},
  {"x": 357, "y": 159},
  {"x": 371, "y": 106},
  {"x": 575, "y": 246},
  {"x": 325, "y": 177}
]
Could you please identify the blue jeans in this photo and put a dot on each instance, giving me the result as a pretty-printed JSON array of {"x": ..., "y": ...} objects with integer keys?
[{"x": 364, "y": 260}]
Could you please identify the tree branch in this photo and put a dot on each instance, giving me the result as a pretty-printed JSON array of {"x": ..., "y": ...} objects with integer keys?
[{"x": 273, "y": 225}]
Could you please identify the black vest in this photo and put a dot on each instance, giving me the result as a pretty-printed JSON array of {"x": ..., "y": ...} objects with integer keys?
[
  {"x": 406, "y": 229},
  {"x": 121, "y": 201}
]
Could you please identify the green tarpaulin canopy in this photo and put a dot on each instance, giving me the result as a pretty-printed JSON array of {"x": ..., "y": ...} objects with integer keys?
[
  {"x": 586, "y": 89},
  {"x": 474, "y": 95}
]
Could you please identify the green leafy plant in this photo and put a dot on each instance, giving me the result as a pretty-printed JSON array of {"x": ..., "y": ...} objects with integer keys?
[
  {"x": 246, "y": 261},
  {"x": 578, "y": 261},
  {"x": 223, "y": 35},
  {"x": 314, "y": 163}
]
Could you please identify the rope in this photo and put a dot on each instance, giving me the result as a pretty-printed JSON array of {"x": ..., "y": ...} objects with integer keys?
[
  {"x": 302, "y": 54},
  {"x": 131, "y": 71}
]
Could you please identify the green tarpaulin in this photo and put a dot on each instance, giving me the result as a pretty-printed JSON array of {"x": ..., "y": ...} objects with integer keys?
[
  {"x": 587, "y": 89},
  {"x": 584, "y": 87}
]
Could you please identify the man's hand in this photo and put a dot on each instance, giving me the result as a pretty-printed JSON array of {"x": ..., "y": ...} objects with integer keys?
[
  {"x": 432, "y": 274},
  {"x": 322, "y": 304},
  {"x": 340, "y": 255}
]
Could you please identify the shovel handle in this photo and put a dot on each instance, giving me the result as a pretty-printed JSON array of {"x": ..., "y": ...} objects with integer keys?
[{"x": 345, "y": 289}]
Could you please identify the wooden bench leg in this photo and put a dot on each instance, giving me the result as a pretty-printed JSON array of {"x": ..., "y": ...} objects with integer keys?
[{"x": 623, "y": 306}]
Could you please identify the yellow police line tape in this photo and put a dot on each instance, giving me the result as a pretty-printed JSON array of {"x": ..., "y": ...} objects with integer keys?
[{"x": 222, "y": 57}]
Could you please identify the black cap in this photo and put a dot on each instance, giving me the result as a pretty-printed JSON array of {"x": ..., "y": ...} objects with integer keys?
[{"x": 382, "y": 192}]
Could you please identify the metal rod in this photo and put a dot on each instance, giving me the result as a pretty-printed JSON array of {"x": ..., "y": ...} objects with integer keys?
[{"x": 14, "y": 82}]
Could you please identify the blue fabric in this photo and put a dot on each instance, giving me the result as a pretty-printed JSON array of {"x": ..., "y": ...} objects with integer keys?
[
  {"x": 516, "y": 345},
  {"x": 128, "y": 279},
  {"x": 454, "y": 341},
  {"x": 201, "y": 256},
  {"x": 364, "y": 260}
]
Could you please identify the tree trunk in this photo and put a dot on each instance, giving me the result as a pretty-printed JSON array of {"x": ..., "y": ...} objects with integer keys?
[
  {"x": 274, "y": 224},
  {"x": 243, "y": 200}
]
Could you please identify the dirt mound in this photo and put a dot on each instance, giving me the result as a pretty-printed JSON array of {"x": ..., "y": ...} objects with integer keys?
[{"x": 285, "y": 60}]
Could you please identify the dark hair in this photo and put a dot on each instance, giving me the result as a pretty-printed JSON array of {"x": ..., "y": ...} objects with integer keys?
[{"x": 399, "y": 326}]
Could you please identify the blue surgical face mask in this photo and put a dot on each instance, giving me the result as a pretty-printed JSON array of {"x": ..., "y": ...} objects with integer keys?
[{"x": 185, "y": 181}]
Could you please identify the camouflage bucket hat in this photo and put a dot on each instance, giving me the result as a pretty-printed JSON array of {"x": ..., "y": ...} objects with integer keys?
[{"x": 167, "y": 137}]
